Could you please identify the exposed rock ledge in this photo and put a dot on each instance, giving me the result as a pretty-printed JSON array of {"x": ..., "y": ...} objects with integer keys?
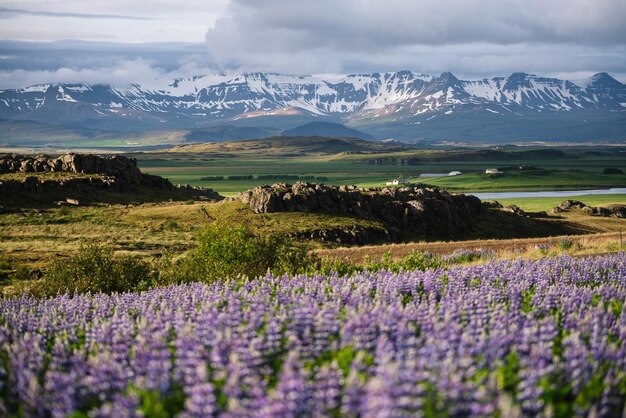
[
  {"x": 116, "y": 173},
  {"x": 427, "y": 212},
  {"x": 615, "y": 211}
]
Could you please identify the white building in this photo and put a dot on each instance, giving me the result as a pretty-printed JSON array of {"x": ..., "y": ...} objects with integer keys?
[
  {"x": 396, "y": 182},
  {"x": 493, "y": 171},
  {"x": 454, "y": 173}
]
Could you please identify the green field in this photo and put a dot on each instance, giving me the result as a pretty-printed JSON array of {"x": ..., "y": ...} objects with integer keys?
[
  {"x": 536, "y": 204},
  {"x": 571, "y": 179},
  {"x": 190, "y": 171},
  {"x": 579, "y": 172}
]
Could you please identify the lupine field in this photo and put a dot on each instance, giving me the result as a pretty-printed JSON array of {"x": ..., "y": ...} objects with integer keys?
[{"x": 506, "y": 338}]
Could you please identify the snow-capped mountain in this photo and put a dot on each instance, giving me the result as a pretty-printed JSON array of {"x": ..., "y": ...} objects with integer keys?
[{"x": 377, "y": 99}]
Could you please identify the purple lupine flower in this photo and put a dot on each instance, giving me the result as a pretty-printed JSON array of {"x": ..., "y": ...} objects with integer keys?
[{"x": 498, "y": 338}]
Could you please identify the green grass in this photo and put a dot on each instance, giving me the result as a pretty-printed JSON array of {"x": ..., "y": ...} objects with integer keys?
[
  {"x": 182, "y": 169},
  {"x": 530, "y": 181},
  {"x": 569, "y": 168},
  {"x": 536, "y": 204},
  {"x": 190, "y": 172}
]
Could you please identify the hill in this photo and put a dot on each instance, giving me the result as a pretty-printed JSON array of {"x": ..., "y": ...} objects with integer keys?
[
  {"x": 287, "y": 145},
  {"x": 326, "y": 129}
]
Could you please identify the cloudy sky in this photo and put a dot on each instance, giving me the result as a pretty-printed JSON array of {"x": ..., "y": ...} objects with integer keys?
[{"x": 121, "y": 41}]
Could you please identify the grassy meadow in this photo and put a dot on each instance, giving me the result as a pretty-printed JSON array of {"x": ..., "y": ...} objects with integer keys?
[
  {"x": 574, "y": 170},
  {"x": 33, "y": 233},
  {"x": 536, "y": 204}
]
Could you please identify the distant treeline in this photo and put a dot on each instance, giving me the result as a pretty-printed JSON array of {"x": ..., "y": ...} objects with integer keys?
[{"x": 265, "y": 177}]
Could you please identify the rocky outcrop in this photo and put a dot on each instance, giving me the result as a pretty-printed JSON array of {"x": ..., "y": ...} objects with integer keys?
[
  {"x": 515, "y": 210},
  {"x": 114, "y": 173},
  {"x": 567, "y": 205},
  {"x": 424, "y": 211},
  {"x": 492, "y": 204},
  {"x": 118, "y": 166},
  {"x": 615, "y": 211}
]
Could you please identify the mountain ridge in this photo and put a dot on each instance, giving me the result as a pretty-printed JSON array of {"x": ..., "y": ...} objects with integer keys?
[{"x": 376, "y": 101}]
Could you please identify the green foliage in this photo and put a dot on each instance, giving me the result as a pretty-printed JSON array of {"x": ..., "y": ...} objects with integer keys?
[
  {"x": 154, "y": 404},
  {"x": 226, "y": 251},
  {"x": 9, "y": 272},
  {"x": 242, "y": 177},
  {"x": 413, "y": 261},
  {"x": 565, "y": 244},
  {"x": 612, "y": 170},
  {"x": 327, "y": 266},
  {"x": 95, "y": 269},
  {"x": 507, "y": 374},
  {"x": 278, "y": 177},
  {"x": 21, "y": 273}
]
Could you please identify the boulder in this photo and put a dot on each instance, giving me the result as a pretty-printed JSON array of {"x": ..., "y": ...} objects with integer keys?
[
  {"x": 589, "y": 210},
  {"x": 492, "y": 204},
  {"x": 571, "y": 204},
  {"x": 515, "y": 209},
  {"x": 26, "y": 166},
  {"x": 619, "y": 212},
  {"x": 73, "y": 202}
]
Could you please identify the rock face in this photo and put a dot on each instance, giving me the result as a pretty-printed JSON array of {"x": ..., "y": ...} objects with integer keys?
[
  {"x": 617, "y": 211},
  {"x": 427, "y": 212},
  {"x": 514, "y": 209},
  {"x": 116, "y": 173},
  {"x": 116, "y": 166}
]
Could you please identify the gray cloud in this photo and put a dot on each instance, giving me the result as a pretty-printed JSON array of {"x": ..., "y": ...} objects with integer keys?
[
  {"x": 330, "y": 36},
  {"x": 27, "y": 63},
  {"x": 7, "y": 12},
  {"x": 473, "y": 39}
]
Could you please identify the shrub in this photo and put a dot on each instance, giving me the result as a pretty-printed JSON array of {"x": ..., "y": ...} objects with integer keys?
[
  {"x": 410, "y": 262},
  {"x": 612, "y": 170},
  {"x": 328, "y": 266},
  {"x": 21, "y": 273},
  {"x": 467, "y": 256},
  {"x": 565, "y": 244},
  {"x": 243, "y": 177},
  {"x": 225, "y": 251},
  {"x": 212, "y": 178},
  {"x": 95, "y": 269},
  {"x": 413, "y": 261},
  {"x": 278, "y": 177},
  {"x": 543, "y": 248}
]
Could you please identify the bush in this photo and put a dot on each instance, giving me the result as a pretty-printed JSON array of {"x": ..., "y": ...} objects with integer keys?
[
  {"x": 244, "y": 177},
  {"x": 468, "y": 256},
  {"x": 565, "y": 244},
  {"x": 277, "y": 177},
  {"x": 212, "y": 178},
  {"x": 95, "y": 269},
  {"x": 226, "y": 251},
  {"x": 612, "y": 170},
  {"x": 413, "y": 261},
  {"x": 410, "y": 262},
  {"x": 543, "y": 248}
]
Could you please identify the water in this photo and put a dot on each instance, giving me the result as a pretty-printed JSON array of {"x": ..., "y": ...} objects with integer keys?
[{"x": 552, "y": 193}]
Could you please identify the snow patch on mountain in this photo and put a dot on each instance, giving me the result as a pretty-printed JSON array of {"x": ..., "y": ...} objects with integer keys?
[{"x": 403, "y": 94}]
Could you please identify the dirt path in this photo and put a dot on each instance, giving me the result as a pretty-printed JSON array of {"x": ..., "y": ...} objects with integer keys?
[{"x": 507, "y": 245}]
